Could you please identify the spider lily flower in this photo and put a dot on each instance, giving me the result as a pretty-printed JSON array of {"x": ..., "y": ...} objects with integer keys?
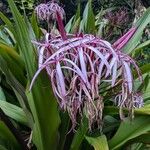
[
  {"x": 49, "y": 10},
  {"x": 78, "y": 65},
  {"x": 137, "y": 100},
  {"x": 127, "y": 98},
  {"x": 53, "y": 11},
  {"x": 131, "y": 101},
  {"x": 42, "y": 12}
]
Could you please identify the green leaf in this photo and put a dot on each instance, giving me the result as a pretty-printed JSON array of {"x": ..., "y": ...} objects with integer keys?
[
  {"x": 35, "y": 27},
  {"x": 137, "y": 146},
  {"x": 77, "y": 15},
  {"x": 41, "y": 100},
  {"x": 4, "y": 38},
  {"x": 14, "y": 62},
  {"x": 11, "y": 35},
  {"x": 17, "y": 87},
  {"x": 128, "y": 130},
  {"x": 141, "y": 46},
  {"x": 8, "y": 137},
  {"x": 89, "y": 19},
  {"x": 14, "y": 112},
  {"x": 12, "y": 52},
  {"x": 146, "y": 94},
  {"x": 63, "y": 129},
  {"x": 2, "y": 148},
  {"x": 144, "y": 110},
  {"x": 6, "y": 21},
  {"x": 74, "y": 23},
  {"x": 75, "y": 27},
  {"x": 2, "y": 95},
  {"x": 110, "y": 124},
  {"x": 141, "y": 24},
  {"x": 79, "y": 135},
  {"x": 144, "y": 69},
  {"x": 69, "y": 25},
  {"x": 144, "y": 138},
  {"x": 99, "y": 143},
  {"x": 138, "y": 142},
  {"x": 112, "y": 110}
]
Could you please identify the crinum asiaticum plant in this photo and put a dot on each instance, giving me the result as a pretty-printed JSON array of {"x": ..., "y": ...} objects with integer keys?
[{"x": 79, "y": 64}]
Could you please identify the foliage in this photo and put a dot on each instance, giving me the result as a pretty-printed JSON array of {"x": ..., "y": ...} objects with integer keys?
[{"x": 35, "y": 113}]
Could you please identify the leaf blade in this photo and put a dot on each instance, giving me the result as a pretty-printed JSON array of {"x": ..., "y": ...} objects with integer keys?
[{"x": 99, "y": 143}]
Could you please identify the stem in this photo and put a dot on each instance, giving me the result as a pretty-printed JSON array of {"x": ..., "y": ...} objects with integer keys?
[
  {"x": 15, "y": 132},
  {"x": 61, "y": 26}
]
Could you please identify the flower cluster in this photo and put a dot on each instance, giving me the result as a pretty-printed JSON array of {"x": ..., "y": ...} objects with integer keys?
[
  {"x": 78, "y": 65},
  {"x": 49, "y": 10}
]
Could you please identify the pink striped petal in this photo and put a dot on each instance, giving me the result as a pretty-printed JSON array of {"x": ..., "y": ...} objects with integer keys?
[
  {"x": 41, "y": 56},
  {"x": 99, "y": 55},
  {"x": 128, "y": 76},
  {"x": 114, "y": 74},
  {"x": 61, "y": 79}
]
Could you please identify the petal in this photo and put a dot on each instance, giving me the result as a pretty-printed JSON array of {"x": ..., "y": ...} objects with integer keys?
[
  {"x": 100, "y": 55},
  {"x": 61, "y": 79},
  {"x": 114, "y": 74},
  {"x": 79, "y": 72},
  {"x": 41, "y": 56},
  {"x": 37, "y": 73},
  {"x": 101, "y": 66},
  {"x": 128, "y": 76},
  {"x": 83, "y": 66}
]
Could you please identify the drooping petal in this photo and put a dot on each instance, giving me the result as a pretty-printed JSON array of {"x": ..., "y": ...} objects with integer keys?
[
  {"x": 41, "y": 56},
  {"x": 99, "y": 55},
  {"x": 37, "y": 73},
  {"x": 128, "y": 76},
  {"x": 101, "y": 66},
  {"x": 76, "y": 68},
  {"x": 114, "y": 74},
  {"x": 61, "y": 79},
  {"x": 83, "y": 66}
]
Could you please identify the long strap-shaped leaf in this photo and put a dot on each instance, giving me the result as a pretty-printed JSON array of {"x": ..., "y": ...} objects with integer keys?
[
  {"x": 141, "y": 24},
  {"x": 18, "y": 89},
  {"x": 6, "y": 135},
  {"x": 129, "y": 130},
  {"x": 99, "y": 143},
  {"x": 79, "y": 135},
  {"x": 15, "y": 132},
  {"x": 41, "y": 101},
  {"x": 14, "y": 112},
  {"x": 89, "y": 18}
]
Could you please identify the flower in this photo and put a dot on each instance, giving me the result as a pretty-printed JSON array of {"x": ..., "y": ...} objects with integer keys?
[
  {"x": 49, "y": 10},
  {"x": 79, "y": 65},
  {"x": 42, "y": 11},
  {"x": 76, "y": 67}
]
